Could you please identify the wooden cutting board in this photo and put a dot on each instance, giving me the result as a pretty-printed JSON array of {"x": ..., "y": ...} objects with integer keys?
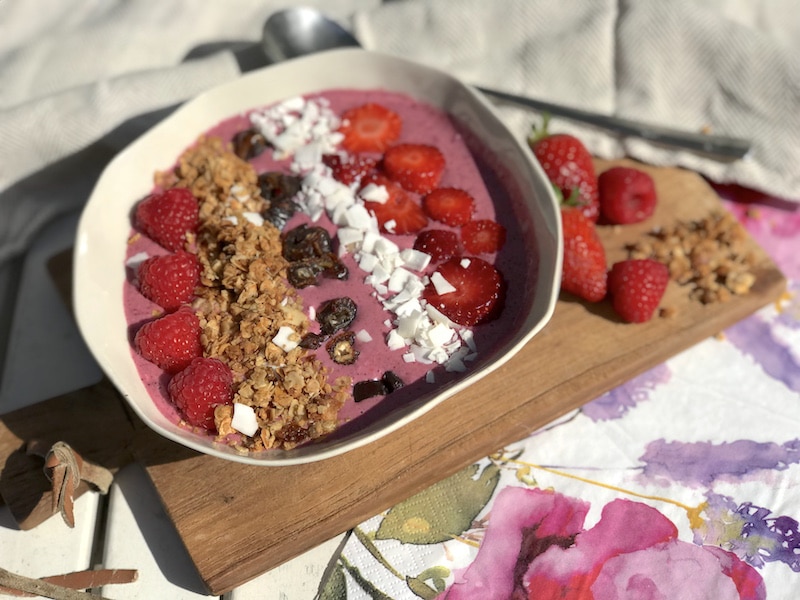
[{"x": 239, "y": 521}]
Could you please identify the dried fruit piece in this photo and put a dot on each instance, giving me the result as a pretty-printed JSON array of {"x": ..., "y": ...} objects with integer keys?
[
  {"x": 438, "y": 244},
  {"x": 368, "y": 388},
  {"x": 202, "y": 386},
  {"x": 342, "y": 348},
  {"x": 478, "y": 294},
  {"x": 627, "y": 195},
  {"x": 306, "y": 242},
  {"x": 400, "y": 214},
  {"x": 584, "y": 267},
  {"x": 169, "y": 280},
  {"x": 167, "y": 217},
  {"x": 636, "y": 287},
  {"x": 483, "y": 236},
  {"x": 172, "y": 341},
  {"x": 336, "y": 314},
  {"x": 279, "y": 189},
  {"x": 249, "y": 143},
  {"x": 451, "y": 206},
  {"x": 392, "y": 381},
  {"x": 369, "y": 128}
]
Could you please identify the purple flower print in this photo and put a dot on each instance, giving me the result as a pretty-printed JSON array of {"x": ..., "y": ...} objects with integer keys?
[
  {"x": 535, "y": 548},
  {"x": 617, "y": 402}
]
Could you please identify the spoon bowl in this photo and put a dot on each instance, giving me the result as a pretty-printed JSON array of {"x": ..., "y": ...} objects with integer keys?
[{"x": 295, "y": 32}]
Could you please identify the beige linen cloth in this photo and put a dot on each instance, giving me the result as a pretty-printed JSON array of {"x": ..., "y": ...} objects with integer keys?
[{"x": 79, "y": 79}]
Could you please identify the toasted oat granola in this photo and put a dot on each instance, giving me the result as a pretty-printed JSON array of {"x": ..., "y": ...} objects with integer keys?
[
  {"x": 244, "y": 300},
  {"x": 708, "y": 255}
]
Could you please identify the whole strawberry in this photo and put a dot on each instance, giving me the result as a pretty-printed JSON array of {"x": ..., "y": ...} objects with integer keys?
[
  {"x": 169, "y": 280},
  {"x": 202, "y": 386},
  {"x": 172, "y": 341},
  {"x": 627, "y": 195},
  {"x": 584, "y": 267},
  {"x": 568, "y": 165},
  {"x": 167, "y": 217},
  {"x": 636, "y": 287}
]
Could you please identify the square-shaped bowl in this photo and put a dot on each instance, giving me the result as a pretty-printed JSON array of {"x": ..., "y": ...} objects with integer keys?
[{"x": 104, "y": 228}]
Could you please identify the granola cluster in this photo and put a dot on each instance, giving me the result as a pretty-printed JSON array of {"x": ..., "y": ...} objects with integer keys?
[
  {"x": 707, "y": 254},
  {"x": 243, "y": 302}
]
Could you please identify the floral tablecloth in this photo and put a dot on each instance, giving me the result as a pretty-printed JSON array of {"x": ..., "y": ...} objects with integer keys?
[{"x": 682, "y": 483}]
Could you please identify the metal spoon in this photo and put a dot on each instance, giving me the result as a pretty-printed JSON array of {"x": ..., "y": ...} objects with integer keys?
[{"x": 295, "y": 32}]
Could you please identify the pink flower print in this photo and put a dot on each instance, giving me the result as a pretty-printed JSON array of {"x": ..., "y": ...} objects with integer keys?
[{"x": 535, "y": 548}]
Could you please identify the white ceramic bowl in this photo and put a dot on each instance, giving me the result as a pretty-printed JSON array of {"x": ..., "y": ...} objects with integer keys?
[{"x": 99, "y": 269}]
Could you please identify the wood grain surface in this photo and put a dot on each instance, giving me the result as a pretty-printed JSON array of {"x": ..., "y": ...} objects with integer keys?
[{"x": 238, "y": 521}]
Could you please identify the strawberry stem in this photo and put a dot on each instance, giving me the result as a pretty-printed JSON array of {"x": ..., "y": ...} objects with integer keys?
[{"x": 541, "y": 132}]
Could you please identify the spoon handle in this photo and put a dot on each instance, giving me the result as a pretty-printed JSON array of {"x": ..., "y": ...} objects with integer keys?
[{"x": 722, "y": 146}]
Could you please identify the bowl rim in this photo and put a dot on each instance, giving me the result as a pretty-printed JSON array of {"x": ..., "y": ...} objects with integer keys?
[{"x": 547, "y": 285}]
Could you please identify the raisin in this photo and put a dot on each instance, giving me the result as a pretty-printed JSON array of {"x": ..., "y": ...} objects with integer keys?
[
  {"x": 248, "y": 144},
  {"x": 336, "y": 314},
  {"x": 312, "y": 341},
  {"x": 280, "y": 211},
  {"x": 306, "y": 242},
  {"x": 334, "y": 268},
  {"x": 392, "y": 381},
  {"x": 292, "y": 434},
  {"x": 303, "y": 273},
  {"x": 342, "y": 348},
  {"x": 275, "y": 185},
  {"x": 368, "y": 389}
]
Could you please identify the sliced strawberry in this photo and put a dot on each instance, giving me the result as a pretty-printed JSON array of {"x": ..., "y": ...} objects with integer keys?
[
  {"x": 438, "y": 244},
  {"x": 483, "y": 236},
  {"x": 348, "y": 169},
  {"x": 369, "y": 128},
  {"x": 451, "y": 206},
  {"x": 400, "y": 214},
  {"x": 417, "y": 167},
  {"x": 479, "y": 291}
]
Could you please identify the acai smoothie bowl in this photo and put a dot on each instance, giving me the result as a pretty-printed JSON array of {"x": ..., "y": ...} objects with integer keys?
[{"x": 312, "y": 256}]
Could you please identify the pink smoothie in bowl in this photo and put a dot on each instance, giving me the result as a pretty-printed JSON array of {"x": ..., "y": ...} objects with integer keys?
[{"x": 407, "y": 351}]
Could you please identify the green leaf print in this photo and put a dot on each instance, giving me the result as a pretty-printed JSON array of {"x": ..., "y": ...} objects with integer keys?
[
  {"x": 335, "y": 587},
  {"x": 443, "y": 511}
]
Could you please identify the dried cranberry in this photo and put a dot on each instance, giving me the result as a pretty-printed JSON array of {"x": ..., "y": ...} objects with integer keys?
[
  {"x": 342, "y": 348},
  {"x": 248, "y": 144},
  {"x": 336, "y": 314},
  {"x": 368, "y": 389}
]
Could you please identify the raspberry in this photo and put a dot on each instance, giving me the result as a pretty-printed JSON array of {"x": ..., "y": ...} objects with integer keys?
[
  {"x": 167, "y": 217},
  {"x": 171, "y": 341},
  {"x": 202, "y": 386},
  {"x": 169, "y": 280},
  {"x": 627, "y": 195},
  {"x": 636, "y": 287}
]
